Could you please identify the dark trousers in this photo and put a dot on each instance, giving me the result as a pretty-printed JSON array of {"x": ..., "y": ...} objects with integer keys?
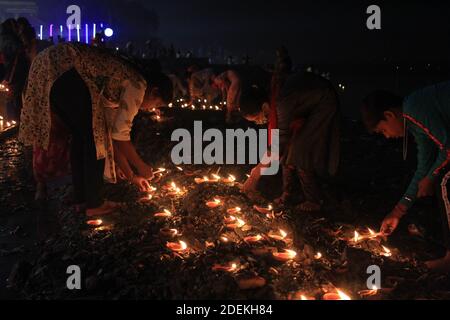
[
  {"x": 71, "y": 101},
  {"x": 444, "y": 206},
  {"x": 308, "y": 183}
]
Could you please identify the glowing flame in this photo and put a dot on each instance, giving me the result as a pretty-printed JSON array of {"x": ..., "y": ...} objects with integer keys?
[
  {"x": 238, "y": 223},
  {"x": 164, "y": 214},
  {"x": 267, "y": 210},
  {"x": 180, "y": 168},
  {"x": 234, "y": 210},
  {"x": 179, "y": 246},
  {"x": 169, "y": 232},
  {"x": 224, "y": 239},
  {"x": 216, "y": 177},
  {"x": 230, "y": 179},
  {"x": 230, "y": 219},
  {"x": 285, "y": 256},
  {"x": 342, "y": 295},
  {"x": 387, "y": 252},
  {"x": 356, "y": 237},
  {"x": 230, "y": 268},
  {"x": 213, "y": 204},
  {"x": 281, "y": 236},
  {"x": 160, "y": 170},
  {"x": 252, "y": 239},
  {"x": 96, "y": 222},
  {"x": 318, "y": 256}
]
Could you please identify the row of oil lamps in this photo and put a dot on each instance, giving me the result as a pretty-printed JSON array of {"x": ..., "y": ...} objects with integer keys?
[{"x": 234, "y": 221}]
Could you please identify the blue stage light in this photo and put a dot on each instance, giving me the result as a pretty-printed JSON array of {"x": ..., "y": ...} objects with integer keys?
[{"x": 109, "y": 32}]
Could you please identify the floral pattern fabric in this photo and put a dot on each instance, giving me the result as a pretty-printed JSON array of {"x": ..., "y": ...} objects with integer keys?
[{"x": 108, "y": 78}]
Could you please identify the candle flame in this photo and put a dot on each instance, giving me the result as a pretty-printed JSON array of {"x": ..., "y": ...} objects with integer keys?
[{"x": 318, "y": 256}]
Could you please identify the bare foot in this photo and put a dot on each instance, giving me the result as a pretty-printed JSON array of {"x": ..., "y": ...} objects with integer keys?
[
  {"x": 441, "y": 265},
  {"x": 108, "y": 207},
  {"x": 309, "y": 206},
  {"x": 41, "y": 192}
]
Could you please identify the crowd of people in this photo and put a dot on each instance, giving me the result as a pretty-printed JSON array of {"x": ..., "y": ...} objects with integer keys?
[{"x": 79, "y": 102}]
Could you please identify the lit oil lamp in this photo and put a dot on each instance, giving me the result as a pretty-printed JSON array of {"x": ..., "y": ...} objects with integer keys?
[
  {"x": 356, "y": 237},
  {"x": 174, "y": 190},
  {"x": 95, "y": 223},
  {"x": 160, "y": 170},
  {"x": 386, "y": 252},
  {"x": 338, "y": 295},
  {"x": 253, "y": 239},
  {"x": 167, "y": 232},
  {"x": 369, "y": 293},
  {"x": 239, "y": 223},
  {"x": 280, "y": 236},
  {"x": 165, "y": 214},
  {"x": 215, "y": 178},
  {"x": 229, "y": 268},
  {"x": 285, "y": 256},
  {"x": 267, "y": 210},
  {"x": 234, "y": 210},
  {"x": 373, "y": 234},
  {"x": 202, "y": 180},
  {"x": 147, "y": 198},
  {"x": 318, "y": 256},
  {"x": 179, "y": 168},
  {"x": 179, "y": 246},
  {"x": 214, "y": 204},
  {"x": 224, "y": 239},
  {"x": 230, "y": 219},
  {"x": 230, "y": 179},
  {"x": 103, "y": 228}
]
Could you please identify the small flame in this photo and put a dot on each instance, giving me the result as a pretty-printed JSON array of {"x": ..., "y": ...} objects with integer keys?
[
  {"x": 318, "y": 256},
  {"x": 96, "y": 222},
  {"x": 356, "y": 237},
  {"x": 234, "y": 210},
  {"x": 387, "y": 252},
  {"x": 251, "y": 239},
  {"x": 224, "y": 239},
  {"x": 342, "y": 295},
  {"x": 164, "y": 214},
  {"x": 216, "y": 177},
  {"x": 180, "y": 168},
  {"x": 281, "y": 236},
  {"x": 286, "y": 255},
  {"x": 240, "y": 223},
  {"x": 177, "y": 246}
]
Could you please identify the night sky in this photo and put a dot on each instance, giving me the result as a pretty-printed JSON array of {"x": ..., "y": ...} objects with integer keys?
[{"x": 314, "y": 31}]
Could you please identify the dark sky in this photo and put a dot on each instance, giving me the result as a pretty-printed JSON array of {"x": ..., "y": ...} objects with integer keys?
[{"x": 322, "y": 31}]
